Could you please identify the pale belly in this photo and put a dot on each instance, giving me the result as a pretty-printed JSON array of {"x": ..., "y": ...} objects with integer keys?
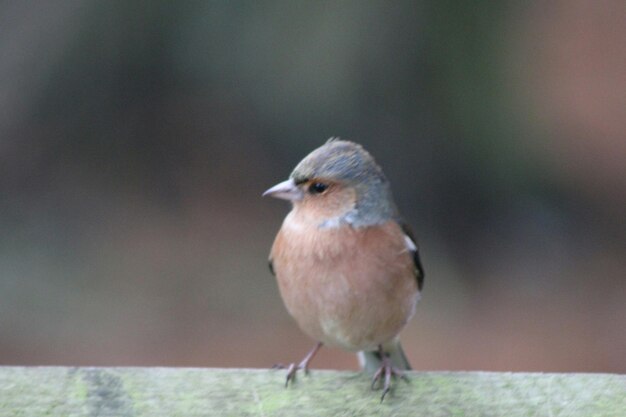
[{"x": 353, "y": 289}]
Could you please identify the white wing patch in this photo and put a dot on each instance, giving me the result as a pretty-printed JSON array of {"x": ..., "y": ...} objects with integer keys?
[{"x": 410, "y": 245}]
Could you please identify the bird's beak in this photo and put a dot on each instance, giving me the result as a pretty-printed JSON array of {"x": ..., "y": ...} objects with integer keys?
[{"x": 287, "y": 190}]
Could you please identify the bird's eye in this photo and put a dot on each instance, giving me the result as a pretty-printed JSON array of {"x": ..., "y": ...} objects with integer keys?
[{"x": 317, "y": 188}]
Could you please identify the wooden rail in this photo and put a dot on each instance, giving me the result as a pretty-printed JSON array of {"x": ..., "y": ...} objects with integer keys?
[{"x": 155, "y": 392}]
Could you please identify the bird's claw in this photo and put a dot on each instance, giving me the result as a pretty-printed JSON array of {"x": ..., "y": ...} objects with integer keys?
[
  {"x": 383, "y": 375},
  {"x": 293, "y": 369},
  {"x": 291, "y": 374}
]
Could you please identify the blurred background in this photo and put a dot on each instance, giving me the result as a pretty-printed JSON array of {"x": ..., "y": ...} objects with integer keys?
[{"x": 137, "y": 137}]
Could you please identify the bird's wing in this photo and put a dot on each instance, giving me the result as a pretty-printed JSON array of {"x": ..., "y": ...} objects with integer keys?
[{"x": 412, "y": 245}]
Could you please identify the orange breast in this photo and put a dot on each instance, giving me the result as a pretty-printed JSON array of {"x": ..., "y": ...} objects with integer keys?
[{"x": 346, "y": 287}]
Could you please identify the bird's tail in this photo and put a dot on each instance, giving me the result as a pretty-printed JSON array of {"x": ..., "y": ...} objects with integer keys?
[{"x": 370, "y": 361}]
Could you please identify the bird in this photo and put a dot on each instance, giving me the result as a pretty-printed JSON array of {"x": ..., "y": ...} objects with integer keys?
[{"x": 347, "y": 266}]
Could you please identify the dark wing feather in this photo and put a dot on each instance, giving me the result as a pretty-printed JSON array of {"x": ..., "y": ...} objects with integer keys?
[
  {"x": 419, "y": 269},
  {"x": 271, "y": 266}
]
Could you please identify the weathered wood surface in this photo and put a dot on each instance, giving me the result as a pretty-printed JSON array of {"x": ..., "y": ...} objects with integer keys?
[{"x": 155, "y": 392}]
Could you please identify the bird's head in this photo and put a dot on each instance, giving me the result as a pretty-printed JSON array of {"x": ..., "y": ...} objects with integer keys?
[{"x": 338, "y": 183}]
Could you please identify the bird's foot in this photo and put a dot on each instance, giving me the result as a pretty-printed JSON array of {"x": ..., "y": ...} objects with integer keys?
[
  {"x": 383, "y": 376},
  {"x": 293, "y": 368}
]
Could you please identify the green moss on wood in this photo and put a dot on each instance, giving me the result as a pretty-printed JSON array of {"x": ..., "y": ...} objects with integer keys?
[{"x": 155, "y": 392}]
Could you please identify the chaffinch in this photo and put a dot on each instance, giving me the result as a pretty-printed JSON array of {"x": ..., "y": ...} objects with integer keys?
[{"x": 347, "y": 266}]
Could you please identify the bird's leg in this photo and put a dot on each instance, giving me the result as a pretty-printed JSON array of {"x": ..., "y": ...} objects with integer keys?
[
  {"x": 385, "y": 372},
  {"x": 304, "y": 364}
]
